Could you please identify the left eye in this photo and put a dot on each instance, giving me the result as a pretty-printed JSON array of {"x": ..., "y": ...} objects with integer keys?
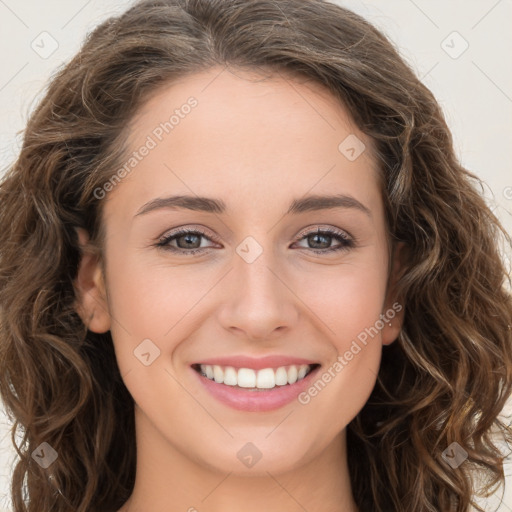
[
  {"x": 189, "y": 241},
  {"x": 321, "y": 238}
]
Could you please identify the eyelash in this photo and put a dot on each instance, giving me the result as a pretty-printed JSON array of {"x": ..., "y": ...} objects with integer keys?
[{"x": 347, "y": 243}]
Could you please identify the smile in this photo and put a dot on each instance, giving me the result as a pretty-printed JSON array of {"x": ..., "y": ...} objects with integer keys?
[
  {"x": 270, "y": 384},
  {"x": 247, "y": 378}
]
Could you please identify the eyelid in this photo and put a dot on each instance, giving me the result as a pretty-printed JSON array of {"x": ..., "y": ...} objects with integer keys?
[
  {"x": 309, "y": 230},
  {"x": 188, "y": 229}
]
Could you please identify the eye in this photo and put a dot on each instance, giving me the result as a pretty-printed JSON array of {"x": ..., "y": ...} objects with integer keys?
[
  {"x": 321, "y": 239},
  {"x": 188, "y": 241}
]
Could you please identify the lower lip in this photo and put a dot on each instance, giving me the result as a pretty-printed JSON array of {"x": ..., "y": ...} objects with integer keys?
[{"x": 256, "y": 401}]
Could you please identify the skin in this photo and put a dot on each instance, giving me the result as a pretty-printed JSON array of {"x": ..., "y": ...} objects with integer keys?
[{"x": 257, "y": 145}]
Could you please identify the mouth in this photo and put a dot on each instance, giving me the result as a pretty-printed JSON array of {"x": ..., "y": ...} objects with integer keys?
[{"x": 255, "y": 380}]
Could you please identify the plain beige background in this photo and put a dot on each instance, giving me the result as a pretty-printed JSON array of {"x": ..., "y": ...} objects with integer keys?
[{"x": 460, "y": 49}]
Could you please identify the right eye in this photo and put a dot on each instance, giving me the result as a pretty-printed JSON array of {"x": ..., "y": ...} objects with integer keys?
[{"x": 186, "y": 241}]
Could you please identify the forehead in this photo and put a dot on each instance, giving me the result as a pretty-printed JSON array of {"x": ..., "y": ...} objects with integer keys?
[
  {"x": 240, "y": 100},
  {"x": 232, "y": 132}
]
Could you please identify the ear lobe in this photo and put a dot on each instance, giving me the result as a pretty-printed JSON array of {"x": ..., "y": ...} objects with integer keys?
[
  {"x": 392, "y": 326},
  {"x": 394, "y": 310},
  {"x": 91, "y": 300}
]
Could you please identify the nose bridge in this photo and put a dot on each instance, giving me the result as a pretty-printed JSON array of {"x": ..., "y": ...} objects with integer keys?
[{"x": 260, "y": 302}]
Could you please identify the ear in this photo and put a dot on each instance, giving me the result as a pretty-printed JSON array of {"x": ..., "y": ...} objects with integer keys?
[
  {"x": 394, "y": 309},
  {"x": 91, "y": 299}
]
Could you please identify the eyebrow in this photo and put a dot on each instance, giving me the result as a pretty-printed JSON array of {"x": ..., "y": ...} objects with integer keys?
[{"x": 211, "y": 205}]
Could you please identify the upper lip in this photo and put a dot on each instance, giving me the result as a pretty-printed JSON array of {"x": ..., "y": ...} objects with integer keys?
[{"x": 256, "y": 363}]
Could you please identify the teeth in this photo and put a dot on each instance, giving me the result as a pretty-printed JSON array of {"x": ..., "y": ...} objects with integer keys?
[
  {"x": 302, "y": 372},
  {"x": 218, "y": 374},
  {"x": 266, "y": 378},
  {"x": 230, "y": 378},
  {"x": 281, "y": 376},
  {"x": 246, "y": 378},
  {"x": 292, "y": 374},
  {"x": 208, "y": 370}
]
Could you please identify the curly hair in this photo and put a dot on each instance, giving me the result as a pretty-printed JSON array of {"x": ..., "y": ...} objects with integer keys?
[{"x": 445, "y": 379}]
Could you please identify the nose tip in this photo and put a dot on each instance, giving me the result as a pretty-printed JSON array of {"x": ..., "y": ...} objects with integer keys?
[{"x": 259, "y": 304}]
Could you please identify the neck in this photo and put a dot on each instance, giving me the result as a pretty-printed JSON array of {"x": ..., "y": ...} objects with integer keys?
[{"x": 167, "y": 479}]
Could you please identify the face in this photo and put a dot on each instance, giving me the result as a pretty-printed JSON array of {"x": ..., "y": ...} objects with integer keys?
[{"x": 275, "y": 266}]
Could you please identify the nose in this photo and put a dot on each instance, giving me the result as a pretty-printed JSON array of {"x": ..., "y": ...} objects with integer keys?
[{"x": 260, "y": 304}]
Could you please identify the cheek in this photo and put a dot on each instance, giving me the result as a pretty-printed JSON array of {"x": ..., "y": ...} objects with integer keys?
[
  {"x": 149, "y": 301},
  {"x": 349, "y": 306},
  {"x": 346, "y": 298},
  {"x": 348, "y": 301}
]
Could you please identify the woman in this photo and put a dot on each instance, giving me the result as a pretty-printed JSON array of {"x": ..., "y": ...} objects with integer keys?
[{"x": 241, "y": 268}]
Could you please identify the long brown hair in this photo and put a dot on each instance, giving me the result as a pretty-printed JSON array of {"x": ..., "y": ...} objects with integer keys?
[{"x": 444, "y": 380}]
